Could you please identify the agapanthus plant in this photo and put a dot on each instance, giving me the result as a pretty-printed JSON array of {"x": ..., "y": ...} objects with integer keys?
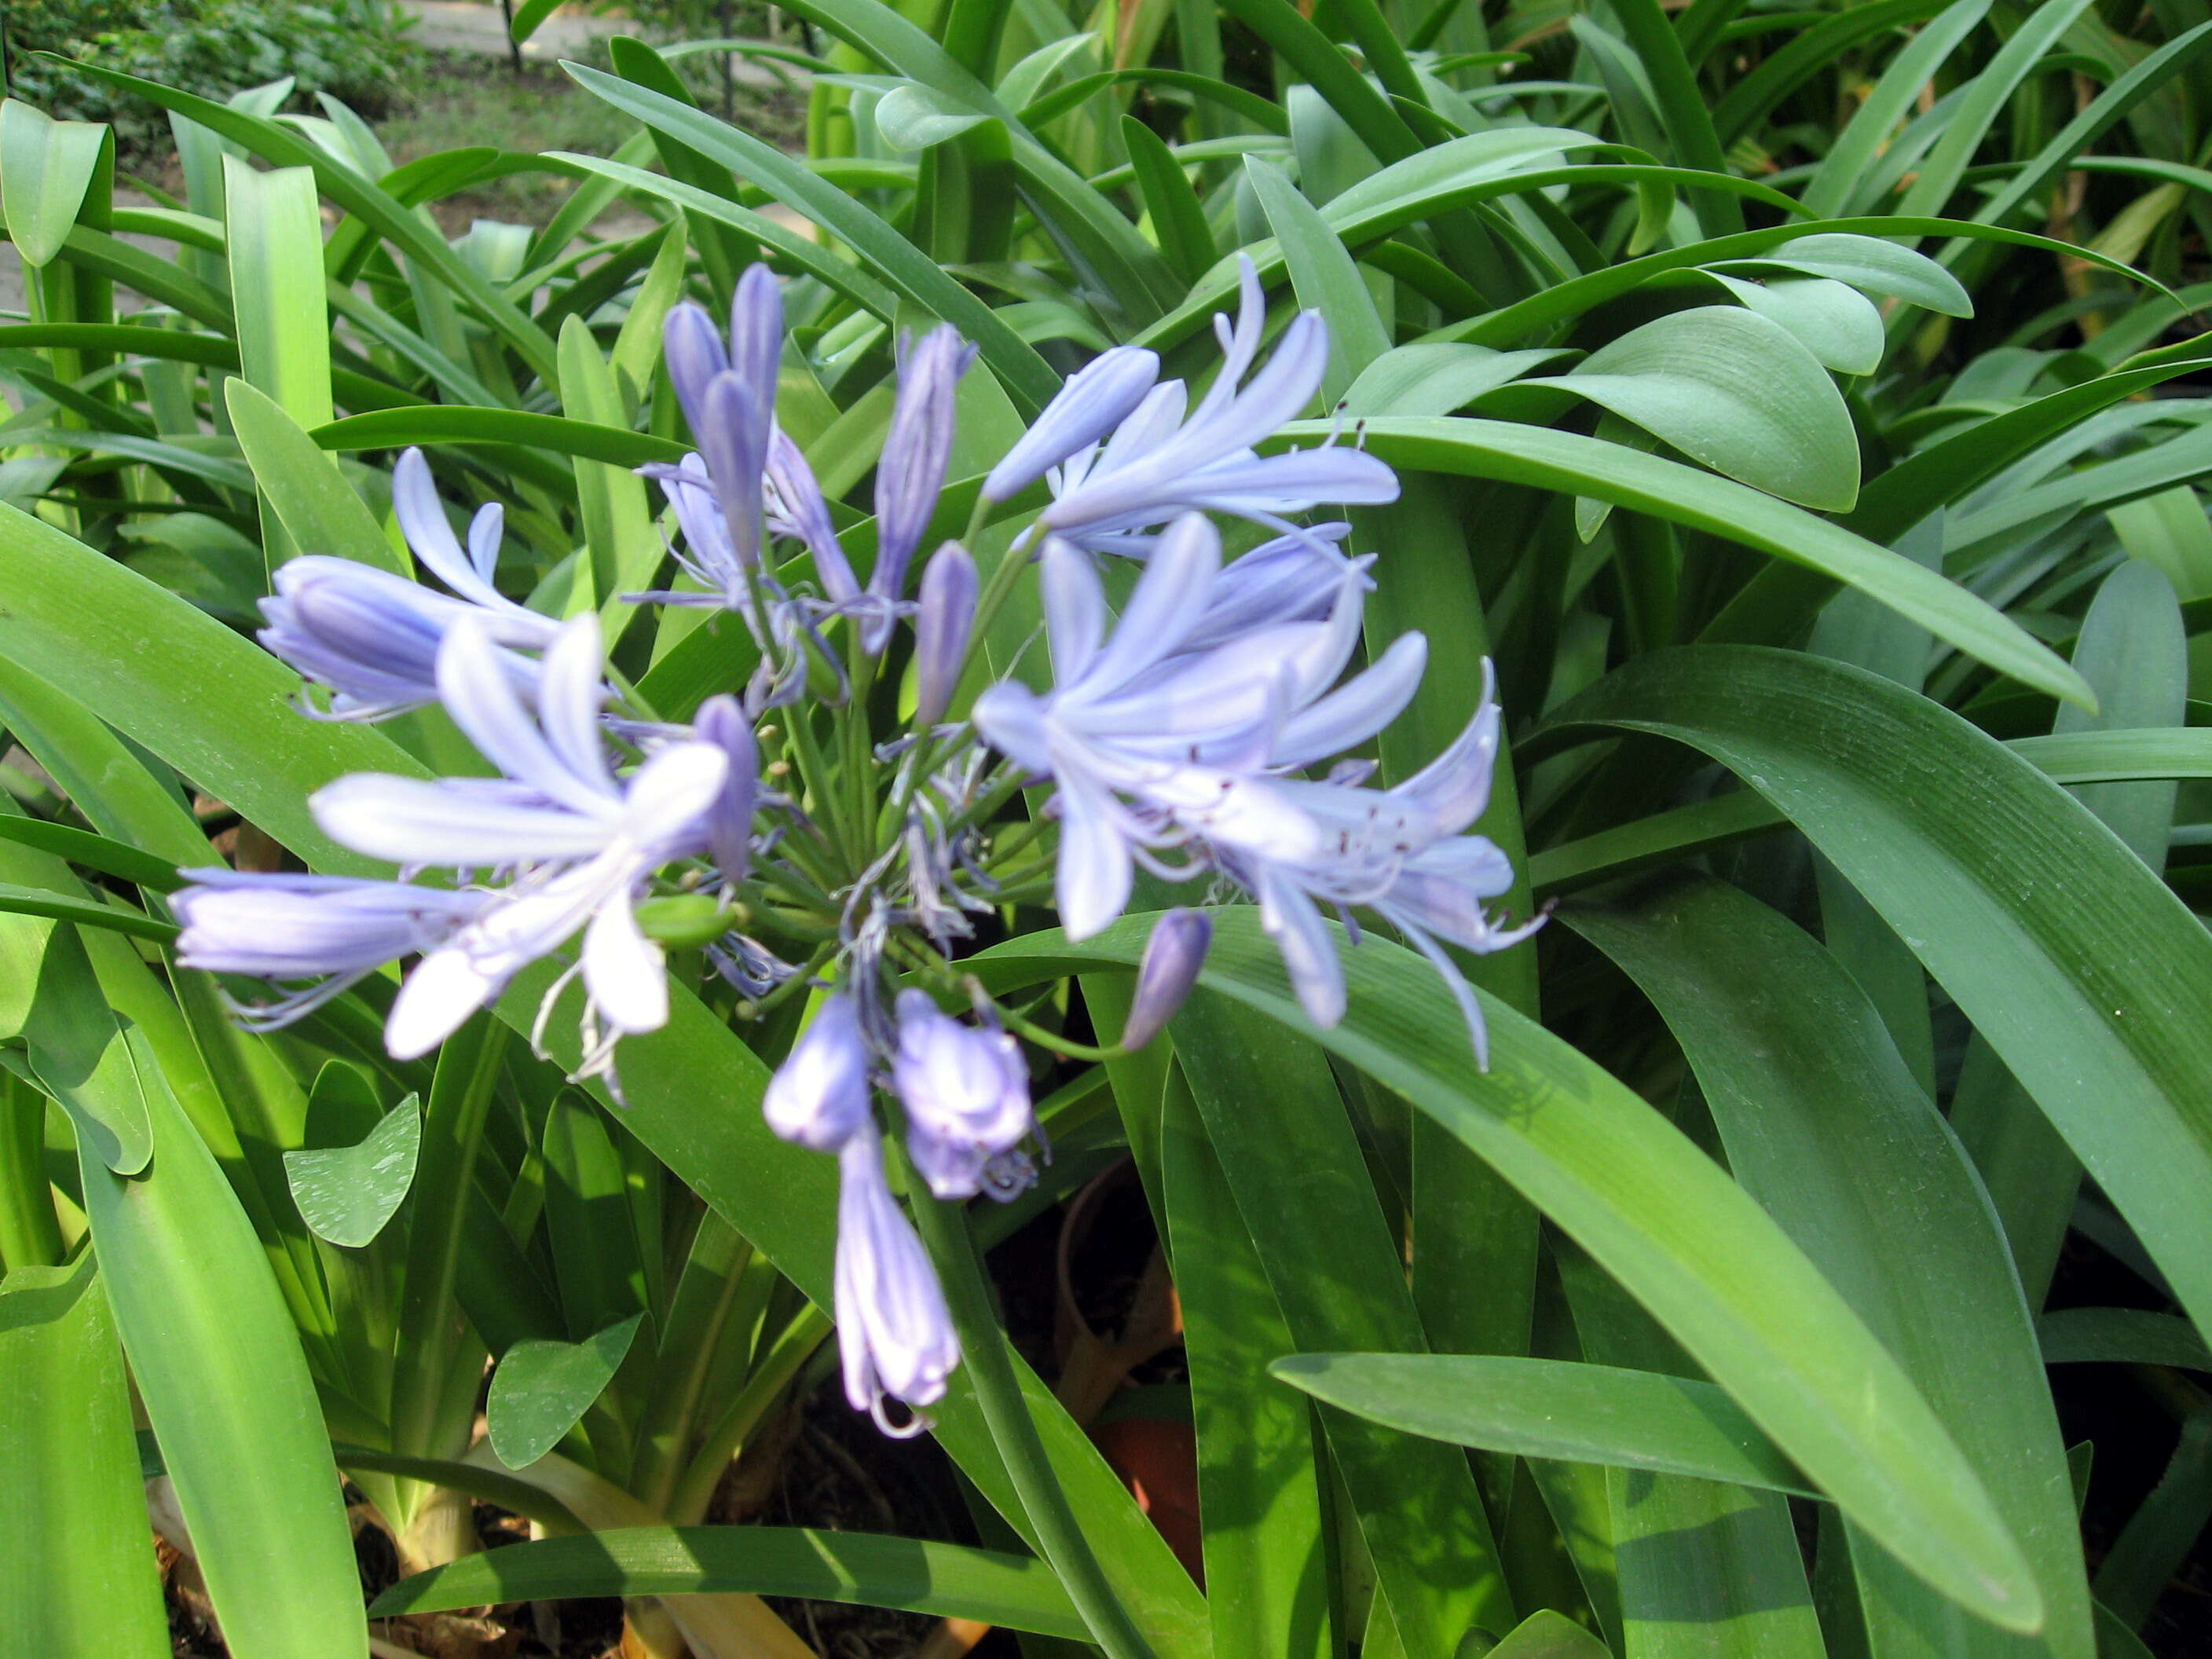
[{"x": 800, "y": 851}]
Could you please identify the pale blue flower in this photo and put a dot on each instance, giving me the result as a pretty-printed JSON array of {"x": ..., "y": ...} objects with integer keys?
[
  {"x": 818, "y": 1097},
  {"x": 796, "y": 509},
  {"x": 334, "y": 929},
  {"x": 1399, "y": 851},
  {"x": 584, "y": 844},
  {"x": 371, "y": 637},
  {"x": 1153, "y": 746},
  {"x": 966, "y": 1092},
  {"x": 895, "y": 1334},
  {"x": 1160, "y": 462}
]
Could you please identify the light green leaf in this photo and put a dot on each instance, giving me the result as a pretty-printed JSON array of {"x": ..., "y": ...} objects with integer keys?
[
  {"x": 1839, "y": 324},
  {"x": 83, "y": 1055},
  {"x": 317, "y": 506},
  {"x": 347, "y": 1193},
  {"x": 77, "y": 1561},
  {"x": 46, "y": 167},
  {"x": 1867, "y": 264},
  {"x": 914, "y": 118},
  {"x": 274, "y": 242},
  {"x": 1548, "y": 1635},
  {"x": 1436, "y": 380},
  {"x": 542, "y": 1388},
  {"x": 1736, "y": 389},
  {"x": 1324, "y": 277},
  {"x": 217, "y": 1362},
  {"x": 1555, "y": 1408}
]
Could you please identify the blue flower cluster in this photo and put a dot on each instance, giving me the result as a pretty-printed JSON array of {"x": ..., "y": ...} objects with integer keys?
[{"x": 1180, "y": 738}]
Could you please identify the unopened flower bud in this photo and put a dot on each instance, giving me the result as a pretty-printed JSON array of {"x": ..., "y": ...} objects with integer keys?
[
  {"x": 894, "y": 1331},
  {"x": 1173, "y": 955},
  {"x": 721, "y": 722},
  {"x": 684, "y": 921},
  {"x": 966, "y": 1093},
  {"x": 911, "y": 472},
  {"x": 818, "y": 1096},
  {"x": 940, "y": 630}
]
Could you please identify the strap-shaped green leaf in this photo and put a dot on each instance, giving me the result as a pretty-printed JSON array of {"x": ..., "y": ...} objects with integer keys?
[
  {"x": 218, "y": 1364},
  {"x": 2085, "y": 974},
  {"x": 1572, "y": 463},
  {"x": 1583, "y": 1414},
  {"x": 1659, "y": 1216},
  {"x": 873, "y": 1570},
  {"x": 77, "y": 1564},
  {"x": 1826, "y": 1127}
]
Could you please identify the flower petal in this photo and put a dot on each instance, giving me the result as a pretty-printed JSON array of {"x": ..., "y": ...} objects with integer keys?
[
  {"x": 624, "y": 971},
  {"x": 1095, "y": 400},
  {"x": 434, "y": 1003}
]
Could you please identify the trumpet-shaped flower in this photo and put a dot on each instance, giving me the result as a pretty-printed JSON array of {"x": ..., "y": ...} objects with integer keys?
[
  {"x": 370, "y": 637},
  {"x": 585, "y": 842},
  {"x": 1164, "y": 459},
  {"x": 966, "y": 1092},
  {"x": 1152, "y": 746},
  {"x": 332, "y": 929},
  {"x": 894, "y": 1333},
  {"x": 1401, "y": 853}
]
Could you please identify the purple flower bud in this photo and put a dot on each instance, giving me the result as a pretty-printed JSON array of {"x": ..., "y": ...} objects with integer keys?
[
  {"x": 1096, "y": 399},
  {"x": 911, "y": 472},
  {"x": 894, "y": 1331},
  {"x": 940, "y": 630},
  {"x": 694, "y": 353},
  {"x": 1173, "y": 955},
  {"x": 966, "y": 1093},
  {"x": 734, "y": 444},
  {"x": 757, "y": 335},
  {"x": 818, "y": 1096},
  {"x": 721, "y": 722}
]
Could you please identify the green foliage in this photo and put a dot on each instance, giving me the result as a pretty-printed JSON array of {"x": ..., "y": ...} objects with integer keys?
[
  {"x": 349, "y": 48},
  {"x": 1805, "y": 412}
]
